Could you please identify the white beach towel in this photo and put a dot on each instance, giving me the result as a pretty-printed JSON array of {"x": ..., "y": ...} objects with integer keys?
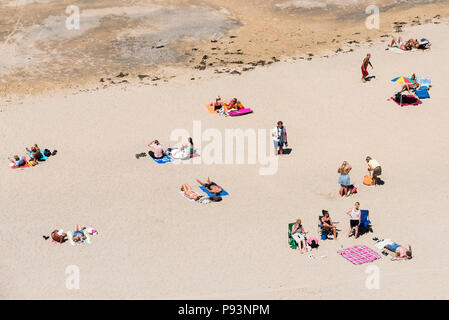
[{"x": 398, "y": 50}]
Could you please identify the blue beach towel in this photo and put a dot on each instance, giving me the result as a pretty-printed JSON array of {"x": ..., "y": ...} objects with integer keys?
[
  {"x": 43, "y": 158},
  {"x": 165, "y": 159},
  {"x": 422, "y": 94},
  {"x": 223, "y": 193}
]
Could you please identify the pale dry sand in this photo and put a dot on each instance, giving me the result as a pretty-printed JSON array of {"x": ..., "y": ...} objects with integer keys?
[{"x": 155, "y": 244}]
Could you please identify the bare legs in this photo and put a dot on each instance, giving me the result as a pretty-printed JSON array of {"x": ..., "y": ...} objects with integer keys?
[
  {"x": 356, "y": 231},
  {"x": 334, "y": 231}
]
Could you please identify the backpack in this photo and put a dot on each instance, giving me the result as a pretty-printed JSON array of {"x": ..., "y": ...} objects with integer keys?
[{"x": 215, "y": 198}]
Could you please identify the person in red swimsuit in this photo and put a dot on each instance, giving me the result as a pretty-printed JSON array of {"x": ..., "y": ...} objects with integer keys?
[{"x": 365, "y": 64}]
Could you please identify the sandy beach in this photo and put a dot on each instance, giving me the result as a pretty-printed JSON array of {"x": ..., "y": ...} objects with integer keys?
[{"x": 154, "y": 244}]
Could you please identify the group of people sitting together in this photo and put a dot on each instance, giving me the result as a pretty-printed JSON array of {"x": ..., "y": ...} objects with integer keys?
[
  {"x": 158, "y": 151},
  {"x": 356, "y": 223},
  {"x": 344, "y": 180},
  {"x": 35, "y": 153},
  {"x": 224, "y": 108},
  {"x": 409, "y": 44}
]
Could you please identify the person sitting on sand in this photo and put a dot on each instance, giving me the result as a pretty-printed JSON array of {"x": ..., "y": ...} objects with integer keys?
[
  {"x": 211, "y": 186},
  {"x": 374, "y": 169},
  {"x": 354, "y": 223},
  {"x": 158, "y": 150},
  {"x": 58, "y": 235},
  {"x": 233, "y": 104},
  {"x": 400, "y": 251},
  {"x": 344, "y": 180},
  {"x": 189, "y": 193},
  {"x": 218, "y": 104},
  {"x": 35, "y": 152},
  {"x": 299, "y": 235},
  {"x": 413, "y": 85},
  {"x": 327, "y": 223},
  {"x": 18, "y": 161},
  {"x": 365, "y": 64},
  {"x": 78, "y": 234}
]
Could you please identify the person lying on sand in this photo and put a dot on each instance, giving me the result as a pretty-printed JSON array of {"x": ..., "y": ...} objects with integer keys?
[
  {"x": 18, "y": 161},
  {"x": 182, "y": 152},
  {"x": 400, "y": 251},
  {"x": 327, "y": 223},
  {"x": 354, "y": 213},
  {"x": 299, "y": 234},
  {"x": 78, "y": 234},
  {"x": 398, "y": 43},
  {"x": 414, "y": 85},
  {"x": 35, "y": 152},
  {"x": 58, "y": 235},
  {"x": 365, "y": 64},
  {"x": 211, "y": 186},
  {"x": 189, "y": 193},
  {"x": 158, "y": 150}
]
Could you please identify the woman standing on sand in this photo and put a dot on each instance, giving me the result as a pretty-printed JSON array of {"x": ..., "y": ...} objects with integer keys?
[
  {"x": 354, "y": 213},
  {"x": 344, "y": 180}
]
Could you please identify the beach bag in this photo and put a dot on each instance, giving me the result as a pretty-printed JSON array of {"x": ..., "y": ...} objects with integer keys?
[
  {"x": 215, "y": 198},
  {"x": 424, "y": 44},
  {"x": 367, "y": 180},
  {"x": 398, "y": 97},
  {"x": 47, "y": 153},
  {"x": 354, "y": 190},
  {"x": 32, "y": 163}
]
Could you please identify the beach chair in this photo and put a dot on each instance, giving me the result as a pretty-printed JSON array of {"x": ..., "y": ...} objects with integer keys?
[
  {"x": 292, "y": 243},
  {"x": 322, "y": 230},
  {"x": 365, "y": 223},
  {"x": 422, "y": 92}
]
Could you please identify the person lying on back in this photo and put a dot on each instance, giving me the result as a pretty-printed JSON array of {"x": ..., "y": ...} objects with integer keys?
[
  {"x": 211, "y": 186},
  {"x": 189, "y": 193}
]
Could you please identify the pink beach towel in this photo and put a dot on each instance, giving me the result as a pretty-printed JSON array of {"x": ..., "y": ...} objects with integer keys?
[
  {"x": 240, "y": 112},
  {"x": 408, "y": 101},
  {"x": 360, "y": 254}
]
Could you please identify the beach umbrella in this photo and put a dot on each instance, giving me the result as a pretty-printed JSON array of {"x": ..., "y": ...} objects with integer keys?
[{"x": 402, "y": 80}]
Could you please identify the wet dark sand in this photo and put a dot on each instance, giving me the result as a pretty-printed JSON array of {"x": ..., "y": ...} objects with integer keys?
[{"x": 139, "y": 39}]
